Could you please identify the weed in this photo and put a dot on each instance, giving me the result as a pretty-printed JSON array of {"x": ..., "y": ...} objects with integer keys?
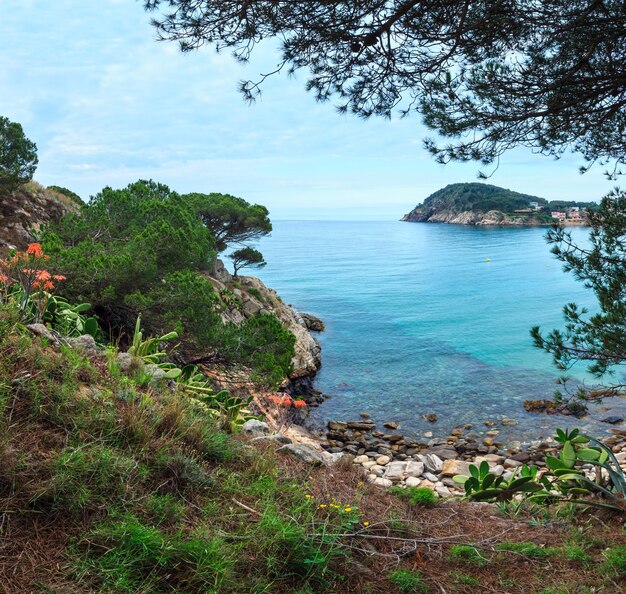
[
  {"x": 464, "y": 578},
  {"x": 615, "y": 562},
  {"x": 91, "y": 476},
  {"x": 467, "y": 554},
  {"x": 407, "y": 581},
  {"x": 416, "y": 495},
  {"x": 527, "y": 549}
]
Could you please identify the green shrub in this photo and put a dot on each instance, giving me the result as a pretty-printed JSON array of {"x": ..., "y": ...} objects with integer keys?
[{"x": 407, "y": 581}]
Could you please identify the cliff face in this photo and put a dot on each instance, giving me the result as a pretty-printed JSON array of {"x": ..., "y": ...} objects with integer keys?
[
  {"x": 467, "y": 217},
  {"x": 28, "y": 208}
]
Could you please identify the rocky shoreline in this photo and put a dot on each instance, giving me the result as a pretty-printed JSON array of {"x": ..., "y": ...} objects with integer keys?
[{"x": 392, "y": 459}]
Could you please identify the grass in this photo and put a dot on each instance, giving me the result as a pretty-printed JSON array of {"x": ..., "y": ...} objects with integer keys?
[
  {"x": 421, "y": 496},
  {"x": 408, "y": 581},
  {"x": 108, "y": 485},
  {"x": 526, "y": 549},
  {"x": 467, "y": 555}
]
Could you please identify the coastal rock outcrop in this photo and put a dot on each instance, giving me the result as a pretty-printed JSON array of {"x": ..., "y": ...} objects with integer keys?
[
  {"x": 26, "y": 210},
  {"x": 250, "y": 297}
]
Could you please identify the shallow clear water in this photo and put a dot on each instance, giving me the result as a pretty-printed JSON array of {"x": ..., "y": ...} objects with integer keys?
[{"x": 419, "y": 321}]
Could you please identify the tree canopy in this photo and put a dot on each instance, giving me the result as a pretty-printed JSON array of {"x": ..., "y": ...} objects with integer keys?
[
  {"x": 547, "y": 74},
  {"x": 230, "y": 219},
  {"x": 598, "y": 339},
  {"x": 246, "y": 257},
  {"x": 18, "y": 156}
]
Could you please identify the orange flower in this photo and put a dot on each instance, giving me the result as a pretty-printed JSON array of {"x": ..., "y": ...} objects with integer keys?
[
  {"x": 48, "y": 286},
  {"x": 35, "y": 249},
  {"x": 4, "y": 278},
  {"x": 275, "y": 399},
  {"x": 36, "y": 285},
  {"x": 287, "y": 401},
  {"x": 58, "y": 277},
  {"x": 43, "y": 275},
  {"x": 299, "y": 403}
]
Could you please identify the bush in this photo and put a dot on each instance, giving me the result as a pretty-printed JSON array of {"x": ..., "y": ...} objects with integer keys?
[
  {"x": 467, "y": 554},
  {"x": 615, "y": 562}
]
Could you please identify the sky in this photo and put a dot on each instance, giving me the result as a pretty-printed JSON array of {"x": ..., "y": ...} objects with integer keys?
[{"x": 107, "y": 105}]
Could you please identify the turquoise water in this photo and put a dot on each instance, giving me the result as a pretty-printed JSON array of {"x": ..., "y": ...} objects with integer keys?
[{"x": 418, "y": 321}]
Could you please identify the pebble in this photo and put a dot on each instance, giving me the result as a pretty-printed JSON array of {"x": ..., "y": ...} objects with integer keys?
[
  {"x": 383, "y": 460},
  {"x": 431, "y": 417},
  {"x": 430, "y": 476},
  {"x": 413, "y": 481},
  {"x": 391, "y": 425},
  {"x": 508, "y": 422}
]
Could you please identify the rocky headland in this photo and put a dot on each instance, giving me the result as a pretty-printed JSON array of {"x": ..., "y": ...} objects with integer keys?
[{"x": 485, "y": 205}]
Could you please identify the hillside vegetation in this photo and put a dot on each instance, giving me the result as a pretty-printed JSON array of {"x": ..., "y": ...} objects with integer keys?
[{"x": 483, "y": 198}]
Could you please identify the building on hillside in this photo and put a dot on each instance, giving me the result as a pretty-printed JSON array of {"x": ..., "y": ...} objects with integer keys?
[
  {"x": 534, "y": 205},
  {"x": 524, "y": 210},
  {"x": 557, "y": 214}
]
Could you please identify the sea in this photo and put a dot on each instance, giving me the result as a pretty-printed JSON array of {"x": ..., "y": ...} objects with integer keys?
[{"x": 426, "y": 318}]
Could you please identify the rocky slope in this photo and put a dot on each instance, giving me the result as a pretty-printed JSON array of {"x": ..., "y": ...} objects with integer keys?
[
  {"x": 252, "y": 297},
  {"x": 28, "y": 209}
]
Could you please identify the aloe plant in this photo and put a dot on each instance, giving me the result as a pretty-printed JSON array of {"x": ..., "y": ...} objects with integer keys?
[{"x": 148, "y": 349}]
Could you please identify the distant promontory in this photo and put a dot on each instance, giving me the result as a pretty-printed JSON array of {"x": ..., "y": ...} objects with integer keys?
[{"x": 483, "y": 204}]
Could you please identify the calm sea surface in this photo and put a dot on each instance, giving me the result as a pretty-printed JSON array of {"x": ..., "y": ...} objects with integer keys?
[{"x": 426, "y": 318}]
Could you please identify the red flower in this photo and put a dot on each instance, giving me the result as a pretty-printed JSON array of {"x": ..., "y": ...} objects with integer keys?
[
  {"x": 287, "y": 400},
  {"x": 299, "y": 403},
  {"x": 58, "y": 277},
  {"x": 43, "y": 275},
  {"x": 48, "y": 286}
]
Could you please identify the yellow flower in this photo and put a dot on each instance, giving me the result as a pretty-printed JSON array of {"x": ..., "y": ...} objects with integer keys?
[
  {"x": 366, "y": 523},
  {"x": 309, "y": 496},
  {"x": 322, "y": 506},
  {"x": 348, "y": 509}
]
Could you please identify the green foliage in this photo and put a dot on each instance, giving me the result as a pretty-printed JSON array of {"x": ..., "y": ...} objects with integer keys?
[
  {"x": 615, "y": 562},
  {"x": 189, "y": 303},
  {"x": 598, "y": 339},
  {"x": 421, "y": 496},
  {"x": 230, "y": 219},
  {"x": 565, "y": 480},
  {"x": 68, "y": 320},
  {"x": 18, "y": 156},
  {"x": 85, "y": 478},
  {"x": 142, "y": 558},
  {"x": 261, "y": 343},
  {"x": 466, "y": 554},
  {"x": 527, "y": 549},
  {"x": 481, "y": 485},
  {"x": 68, "y": 194},
  {"x": 407, "y": 581},
  {"x": 478, "y": 197},
  {"x": 126, "y": 241},
  {"x": 246, "y": 257},
  {"x": 534, "y": 74}
]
